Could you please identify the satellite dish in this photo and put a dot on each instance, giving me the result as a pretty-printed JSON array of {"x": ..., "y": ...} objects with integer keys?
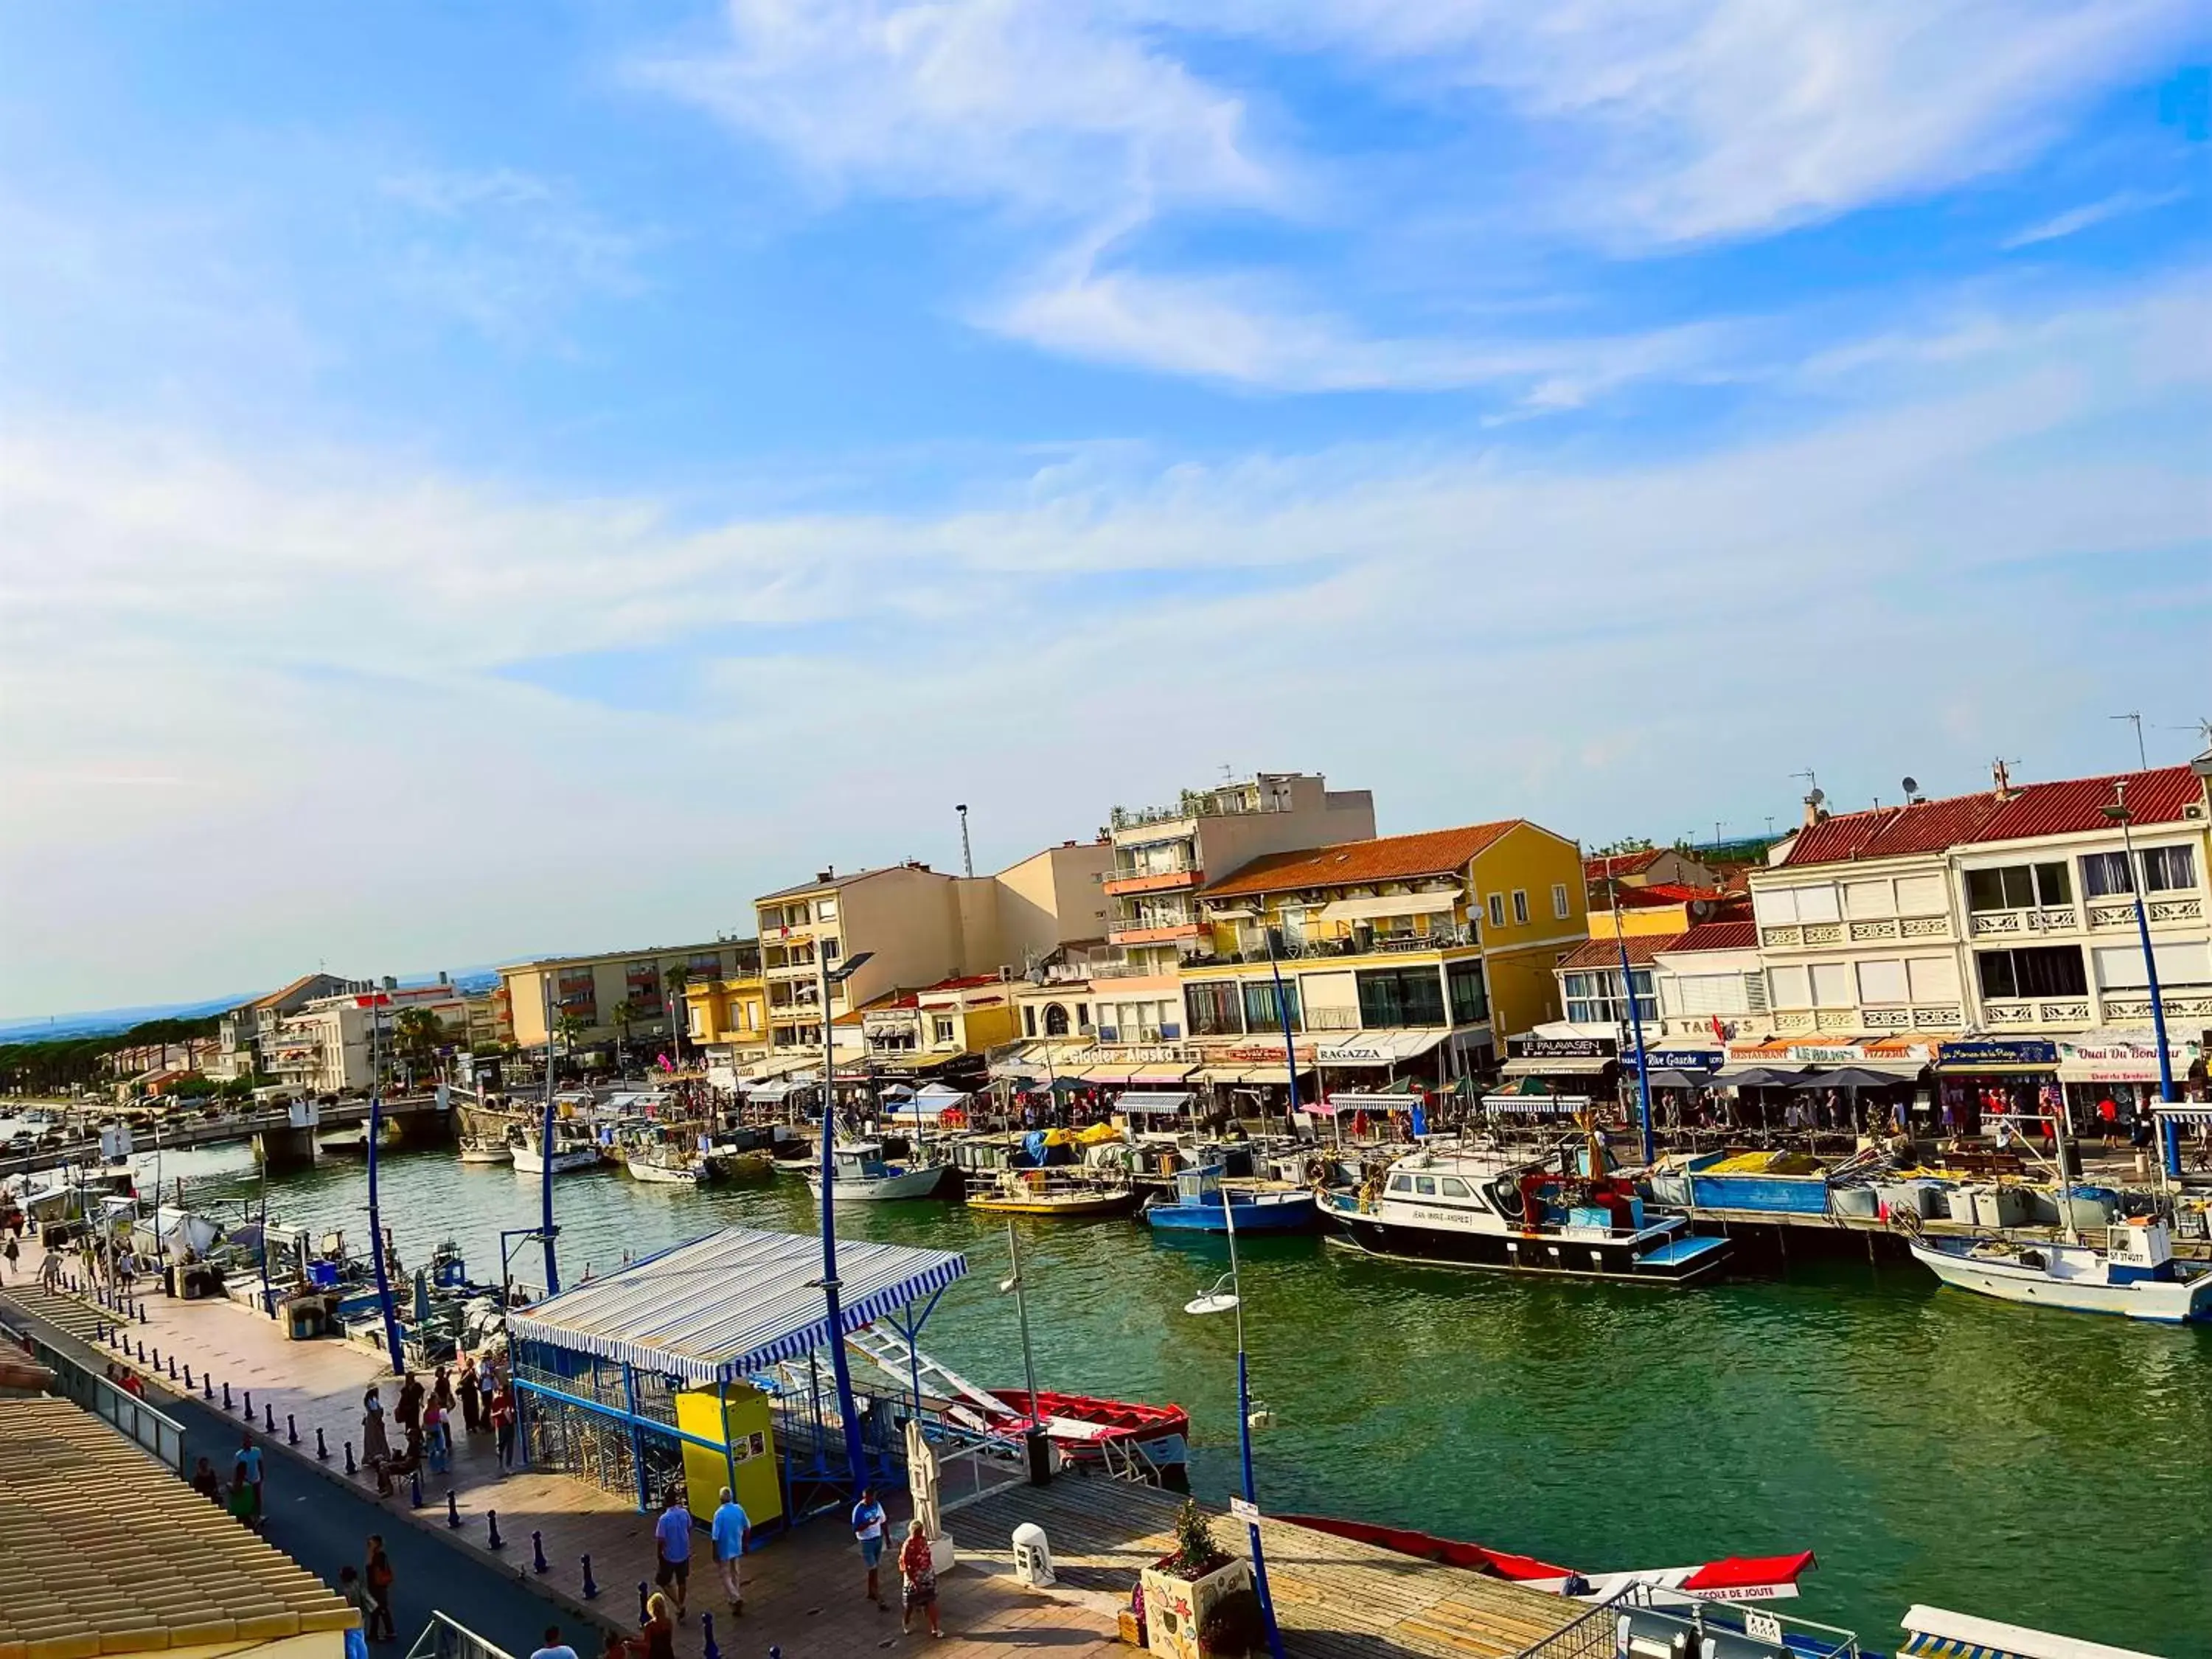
[
  {"x": 1213, "y": 1302},
  {"x": 1817, "y": 795},
  {"x": 1912, "y": 786}
]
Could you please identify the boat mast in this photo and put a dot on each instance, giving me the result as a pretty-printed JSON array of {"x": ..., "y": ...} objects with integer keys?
[{"x": 2073, "y": 1235}]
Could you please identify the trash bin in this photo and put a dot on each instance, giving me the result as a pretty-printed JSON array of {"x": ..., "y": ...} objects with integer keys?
[
  {"x": 303, "y": 1319},
  {"x": 1032, "y": 1556}
]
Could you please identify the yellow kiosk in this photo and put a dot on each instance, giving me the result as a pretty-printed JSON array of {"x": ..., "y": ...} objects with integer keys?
[{"x": 743, "y": 1427}]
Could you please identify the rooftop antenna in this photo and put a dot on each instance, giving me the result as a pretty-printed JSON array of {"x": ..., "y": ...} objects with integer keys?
[
  {"x": 2142, "y": 763},
  {"x": 2000, "y": 774},
  {"x": 967, "y": 857},
  {"x": 1912, "y": 790},
  {"x": 2202, "y": 728}
]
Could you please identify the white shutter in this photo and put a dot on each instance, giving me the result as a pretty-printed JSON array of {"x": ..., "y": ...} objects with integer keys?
[
  {"x": 1818, "y": 904},
  {"x": 1710, "y": 994},
  {"x": 1882, "y": 982},
  {"x": 1831, "y": 985},
  {"x": 1775, "y": 907},
  {"x": 2182, "y": 962},
  {"x": 1793, "y": 987},
  {"x": 1921, "y": 895},
  {"x": 1868, "y": 900},
  {"x": 1934, "y": 978}
]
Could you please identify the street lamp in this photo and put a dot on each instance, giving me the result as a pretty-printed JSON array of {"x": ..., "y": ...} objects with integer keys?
[
  {"x": 1636, "y": 1023},
  {"x": 846, "y": 1409},
  {"x": 1231, "y": 1300},
  {"x": 2169, "y": 1131}
]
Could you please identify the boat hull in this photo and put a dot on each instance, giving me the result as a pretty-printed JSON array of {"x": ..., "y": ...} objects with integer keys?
[
  {"x": 1538, "y": 1255},
  {"x": 1083, "y": 1426},
  {"x": 1119, "y": 1203},
  {"x": 528, "y": 1161},
  {"x": 487, "y": 1155},
  {"x": 2165, "y": 1302},
  {"x": 906, "y": 1184},
  {"x": 660, "y": 1174},
  {"x": 1295, "y": 1213}
]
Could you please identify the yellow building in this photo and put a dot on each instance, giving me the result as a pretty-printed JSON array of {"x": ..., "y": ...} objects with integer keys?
[
  {"x": 1392, "y": 949},
  {"x": 618, "y": 995},
  {"x": 915, "y": 1030},
  {"x": 729, "y": 1012}
]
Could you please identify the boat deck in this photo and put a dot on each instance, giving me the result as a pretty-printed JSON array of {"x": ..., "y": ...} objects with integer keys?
[{"x": 1334, "y": 1598}]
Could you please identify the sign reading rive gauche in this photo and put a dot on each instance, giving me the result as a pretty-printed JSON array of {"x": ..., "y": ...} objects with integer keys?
[
  {"x": 1532, "y": 1048},
  {"x": 1683, "y": 1060}
]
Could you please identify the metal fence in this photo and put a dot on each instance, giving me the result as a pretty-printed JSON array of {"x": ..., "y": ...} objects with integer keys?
[
  {"x": 442, "y": 1638},
  {"x": 159, "y": 1433},
  {"x": 1595, "y": 1635}
]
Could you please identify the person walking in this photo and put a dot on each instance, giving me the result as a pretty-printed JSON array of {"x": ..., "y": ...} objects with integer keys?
[
  {"x": 248, "y": 1467},
  {"x": 435, "y": 1445},
  {"x": 868, "y": 1528},
  {"x": 502, "y": 1423},
  {"x": 12, "y": 1253},
  {"x": 441, "y": 1391},
  {"x": 205, "y": 1483},
  {"x": 657, "y": 1639},
  {"x": 730, "y": 1526},
  {"x": 354, "y": 1595},
  {"x": 471, "y": 1390},
  {"x": 377, "y": 1574},
  {"x": 671, "y": 1537},
  {"x": 408, "y": 1413},
  {"x": 241, "y": 1503},
  {"x": 375, "y": 1443},
  {"x": 553, "y": 1647},
  {"x": 50, "y": 1271},
  {"x": 917, "y": 1579}
]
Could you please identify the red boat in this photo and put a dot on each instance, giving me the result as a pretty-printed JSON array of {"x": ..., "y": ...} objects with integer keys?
[
  {"x": 1097, "y": 1435},
  {"x": 1731, "y": 1578}
]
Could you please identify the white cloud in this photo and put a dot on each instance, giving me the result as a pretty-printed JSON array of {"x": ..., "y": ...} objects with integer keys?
[
  {"x": 312, "y": 645},
  {"x": 2074, "y": 221}
]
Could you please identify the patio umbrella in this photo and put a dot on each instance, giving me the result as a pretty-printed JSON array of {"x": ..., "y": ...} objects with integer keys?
[
  {"x": 1850, "y": 1076},
  {"x": 1763, "y": 1076}
]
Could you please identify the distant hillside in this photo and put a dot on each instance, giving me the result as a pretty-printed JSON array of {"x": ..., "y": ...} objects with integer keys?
[{"x": 104, "y": 1022}]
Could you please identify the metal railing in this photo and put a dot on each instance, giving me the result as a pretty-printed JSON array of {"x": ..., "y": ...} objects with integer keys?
[
  {"x": 158, "y": 1432},
  {"x": 1594, "y": 1634},
  {"x": 442, "y": 1638}
]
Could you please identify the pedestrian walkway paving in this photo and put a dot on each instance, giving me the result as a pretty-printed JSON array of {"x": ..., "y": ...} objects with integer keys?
[{"x": 804, "y": 1592}]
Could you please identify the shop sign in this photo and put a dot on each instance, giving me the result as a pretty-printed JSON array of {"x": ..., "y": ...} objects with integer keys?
[
  {"x": 1852, "y": 1053},
  {"x": 1356, "y": 1053},
  {"x": 1998, "y": 1051},
  {"x": 1533, "y": 1048},
  {"x": 1682, "y": 1060},
  {"x": 1270, "y": 1054}
]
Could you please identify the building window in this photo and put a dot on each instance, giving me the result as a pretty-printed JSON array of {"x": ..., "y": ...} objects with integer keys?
[
  {"x": 1498, "y": 909},
  {"x": 826, "y": 909},
  {"x": 1520, "y": 907},
  {"x": 1029, "y": 1020},
  {"x": 2104, "y": 874},
  {"x": 2166, "y": 868},
  {"x": 1082, "y": 1016},
  {"x": 1593, "y": 999},
  {"x": 1470, "y": 1002},
  {"x": 1400, "y": 996},
  {"x": 1560, "y": 908},
  {"x": 2050, "y": 970},
  {"x": 1215, "y": 1007},
  {"x": 1055, "y": 1020},
  {"x": 1259, "y": 1008},
  {"x": 829, "y": 950},
  {"x": 941, "y": 1030},
  {"x": 2019, "y": 887}
]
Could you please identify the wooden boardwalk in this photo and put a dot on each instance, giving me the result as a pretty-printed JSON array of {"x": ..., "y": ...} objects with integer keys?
[{"x": 1334, "y": 1599}]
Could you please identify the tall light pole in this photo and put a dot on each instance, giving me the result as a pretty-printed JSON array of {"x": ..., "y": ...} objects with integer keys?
[
  {"x": 967, "y": 857},
  {"x": 839, "y": 1369},
  {"x": 2169, "y": 1131},
  {"x": 1290, "y": 1047},
  {"x": 1636, "y": 1026},
  {"x": 375, "y": 1216},
  {"x": 1214, "y": 1302},
  {"x": 545, "y": 1154}
]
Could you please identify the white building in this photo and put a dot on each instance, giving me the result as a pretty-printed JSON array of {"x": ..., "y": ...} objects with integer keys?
[{"x": 332, "y": 1045}]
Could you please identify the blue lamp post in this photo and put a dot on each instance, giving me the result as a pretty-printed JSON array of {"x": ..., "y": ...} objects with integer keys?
[
  {"x": 2169, "y": 1131},
  {"x": 1218, "y": 1300},
  {"x": 548, "y": 1231},
  {"x": 1636, "y": 1029},
  {"x": 375, "y": 1216},
  {"x": 854, "y": 1460}
]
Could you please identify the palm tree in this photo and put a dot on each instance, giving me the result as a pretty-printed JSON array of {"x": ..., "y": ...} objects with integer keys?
[
  {"x": 417, "y": 1035},
  {"x": 568, "y": 1028},
  {"x": 621, "y": 1016},
  {"x": 677, "y": 980}
]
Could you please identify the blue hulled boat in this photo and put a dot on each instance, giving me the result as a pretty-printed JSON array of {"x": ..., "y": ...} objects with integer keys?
[{"x": 1204, "y": 1196}]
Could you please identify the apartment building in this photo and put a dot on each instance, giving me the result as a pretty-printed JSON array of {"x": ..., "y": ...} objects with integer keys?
[
  {"x": 729, "y": 1016},
  {"x": 919, "y": 927},
  {"x": 1650, "y": 867},
  {"x": 242, "y": 1032},
  {"x": 633, "y": 995},
  {"x": 2011, "y": 911},
  {"x": 334, "y": 1044},
  {"x": 943, "y": 1023}
]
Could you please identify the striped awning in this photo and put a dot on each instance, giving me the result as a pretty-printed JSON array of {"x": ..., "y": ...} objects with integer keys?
[
  {"x": 722, "y": 1307},
  {"x": 1938, "y": 1633}
]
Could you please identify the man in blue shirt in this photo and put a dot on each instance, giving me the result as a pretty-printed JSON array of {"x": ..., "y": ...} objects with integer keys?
[
  {"x": 247, "y": 1465},
  {"x": 868, "y": 1528},
  {"x": 671, "y": 1535},
  {"x": 730, "y": 1526}
]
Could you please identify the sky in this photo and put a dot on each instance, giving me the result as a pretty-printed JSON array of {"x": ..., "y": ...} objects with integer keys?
[{"x": 482, "y": 481}]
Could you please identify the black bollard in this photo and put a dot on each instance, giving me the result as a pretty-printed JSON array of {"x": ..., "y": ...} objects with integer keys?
[
  {"x": 226, "y": 1397},
  {"x": 157, "y": 1359},
  {"x": 99, "y": 1330},
  {"x": 291, "y": 1430},
  {"x": 351, "y": 1465},
  {"x": 172, "y": 1368},
  {"x": 414, "y": 1490},
  {"x": 538, "y": 1561},
  {"x": 207, "y": 1385},
  {"x": 642, "y": 1615},
  {"x": 144, "y": 1318},
  {"x": 452, "y": 1512},
  {"x": 269, "y": 1419},
  {"x": 707, "y": 1648},
  {"x": 591, "y": 1588},
  {"x": 249, "y": 1404},
  {"x": 322, "y": 1451},
  {"x": 491, "y": 1520}
]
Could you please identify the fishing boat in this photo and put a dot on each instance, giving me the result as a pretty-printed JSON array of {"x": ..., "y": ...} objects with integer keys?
[
  {"x": 2134, "y": 1275},
  {"x": 1052, "y": 1192},
  {"x": 1202, "y": 1198},
  {"x": 573, "y": 1148},
  {"x": 795, "y": 1157},
  {"x": 864, "y": 1178},
  {"x": 1542, "y": 1217},
  {"x": 663, "y": 1160},
  {"x": 349, "y": 1142},
  {"x": 1104, "y": 1436},
  {"x": 726, "y": 1162},
  {"x": 1731, "y": 1578},
  {"x": 486, "y": 1148}
]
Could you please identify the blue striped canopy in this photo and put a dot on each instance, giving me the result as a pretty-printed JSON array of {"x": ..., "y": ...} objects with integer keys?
[{"x": 721, "y": 1307}]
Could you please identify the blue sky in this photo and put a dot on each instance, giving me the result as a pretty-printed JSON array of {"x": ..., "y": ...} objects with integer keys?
[{"x": 484, "y": 480}]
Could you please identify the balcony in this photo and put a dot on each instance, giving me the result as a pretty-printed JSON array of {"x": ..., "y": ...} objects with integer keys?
[
  {"x": 1792, "y": 936},
  {"x": 1152, "y": 881},
  {"x": 2191, "y": 1002},
  {"x": 2042, "y": 919},
  {"x": 1876, "y": 1021},
  {"x": 1438, "y": 939},
  {"x": 2010, "y": 1013},
  {"x": 2119, "y": 911},
  {"x": 1141, "y": 933}
]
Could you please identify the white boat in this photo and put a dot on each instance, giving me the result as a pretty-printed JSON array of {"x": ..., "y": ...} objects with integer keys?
[
  {"x": 666, "y": 1161},
  {"x": 478, "y": 1149},
  {"x": 863, "y": 1177},
  {"x": 2134, "y": 1275},
  {"x": 1939, "y": 1633},
  {"x": 573, "y": 1148}
]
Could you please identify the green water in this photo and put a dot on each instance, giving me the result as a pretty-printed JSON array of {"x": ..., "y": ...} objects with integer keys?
[{"x": 2047, "y": 1468}]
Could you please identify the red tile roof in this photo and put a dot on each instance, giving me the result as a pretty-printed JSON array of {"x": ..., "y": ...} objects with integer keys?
[
  {"x": 1606, "y": 953},
  {"x": 1718, "y": 936},
  {"x": 2036, "y": 809},
  {"x": 1361, "y": 863},
  {"x": 1621, "y": 864}
]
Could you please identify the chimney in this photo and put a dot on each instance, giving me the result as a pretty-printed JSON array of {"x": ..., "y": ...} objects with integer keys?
[
  {"x": 1816, "y": 811},
  {"x": 824, "y": 875}
]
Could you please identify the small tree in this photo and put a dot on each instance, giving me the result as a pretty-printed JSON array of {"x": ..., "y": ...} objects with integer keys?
[
  {"x": 417, "y": 1035},
  {"x": 1195, "y": 1553},
  {"x": 621, "y": 1017}
]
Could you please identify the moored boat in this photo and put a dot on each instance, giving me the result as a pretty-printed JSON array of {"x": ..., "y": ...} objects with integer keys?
[
  {"x": 1052, "y": 1192},
  {"x": 486, "y": 1148},
  {"x": 2135, "y": 1275},
  {"x": 864, "y": 1178},
  {"x": 1202, "y": 1198},
  {"x": 573, "y": 1148},
  {"x": 1507, "y": 1215},
  {"x": 1115, "y": 1436}
]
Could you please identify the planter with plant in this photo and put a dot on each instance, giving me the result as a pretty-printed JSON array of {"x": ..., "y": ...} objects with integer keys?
[{"x": 1184, "y": 1587}]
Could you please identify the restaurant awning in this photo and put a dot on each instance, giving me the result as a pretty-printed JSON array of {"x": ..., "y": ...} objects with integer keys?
[
  {"x": 1403, "y": 904},
  {"x": 773, "y": 1094},
  {"x": 722, "y": 1307},
  {"x": 1759, "y": 1077},
  {"x": 1367, "y": 1102},
  {"x": 1178, "y": 1102},
  {"x": 1109, "y": 1073},
  {"x": 1164, "y": 1076},
  {"x": 1379, "y": 1048},
  {"x": 1218, "y": 1074},
  {"x": 1558, "y": 1065},
  {"x": 1537, "y": 1105}
]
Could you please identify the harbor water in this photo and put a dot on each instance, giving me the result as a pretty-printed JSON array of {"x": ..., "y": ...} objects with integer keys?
[{"x": 2050, "y": 1469}]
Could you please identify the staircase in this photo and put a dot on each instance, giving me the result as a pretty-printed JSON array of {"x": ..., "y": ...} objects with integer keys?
[{"x": 965, "y": 1403}]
